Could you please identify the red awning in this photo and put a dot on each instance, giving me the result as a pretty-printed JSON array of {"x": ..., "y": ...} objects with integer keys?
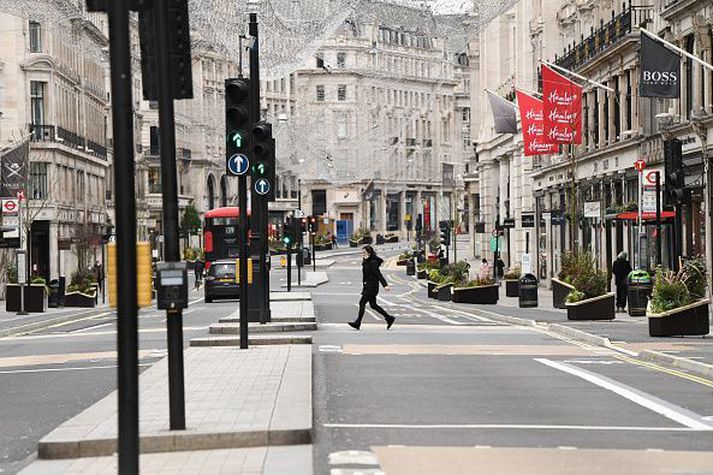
[{"x": 634, "y": 216}]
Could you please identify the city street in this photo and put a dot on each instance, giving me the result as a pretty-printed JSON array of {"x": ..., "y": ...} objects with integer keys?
[{"x": 444, "y": 388}]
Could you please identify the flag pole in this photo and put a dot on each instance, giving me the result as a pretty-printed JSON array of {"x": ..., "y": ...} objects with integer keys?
[
  {"x": 676, "y": 49},
  {"x": 578, "y": 76}
]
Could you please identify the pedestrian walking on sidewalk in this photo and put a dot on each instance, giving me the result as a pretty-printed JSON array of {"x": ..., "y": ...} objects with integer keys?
[
  {"x": 621, "y": 270},
  {"x": 371, "y": 277},
  {"x": 333, "y": 238}
]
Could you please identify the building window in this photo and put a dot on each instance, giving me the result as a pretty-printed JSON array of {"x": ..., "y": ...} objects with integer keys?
[
  {"x": 465, "y": 114},
  {"x": 37, "y": 102},
  {"x": 38, "y": 181},
  {"x": 35, "y": 37},
  {"x": 320, "y": 62},
  {"x": 688, "y": 104},
  {"x": 320, "y": 93},
  {"x": 341, "y": 60},
  {"x": 155, "y": 141},
  {"x": 154, "y": 180},
  {"x": 342, "y": 92},
  {"x": 342, "y": 129}
]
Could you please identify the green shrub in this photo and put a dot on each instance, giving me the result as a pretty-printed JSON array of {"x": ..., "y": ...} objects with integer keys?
[
  {"x": 405, "y": 255},
  {"x": 670, "y": 291},
  {"x": 38, "y": 279},
  {"x": 513, "y": 273},
  {"x": 575, "y": 296},
  {"x": 434, "y": 275},
  {"x": 434, "y": 243},
  {"x": 580, "y": 270},
  {"x": 479, "y": 282},
  {"x": 11, "y": 272},
  {"x": 81, "y": 281},
  {"x": 458, "y": 272},
  {"x": 695, "y": 278}
]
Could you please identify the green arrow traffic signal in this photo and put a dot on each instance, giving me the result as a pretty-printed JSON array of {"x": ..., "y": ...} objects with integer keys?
[
  {"x": 236, "y": 138},
  {"x": 259, "y": 169}
]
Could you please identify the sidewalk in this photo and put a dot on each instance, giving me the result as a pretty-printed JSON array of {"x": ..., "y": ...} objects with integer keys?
[
  {"x": 235, "y": 399},
  {"x": 309, "y": 280},
  {"x": 628, "y": 334}
]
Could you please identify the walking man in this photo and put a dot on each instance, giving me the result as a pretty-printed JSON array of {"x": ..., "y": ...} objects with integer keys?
[
  {"x": 621, "y": 270},
  {"x": 371, "y": 277}
]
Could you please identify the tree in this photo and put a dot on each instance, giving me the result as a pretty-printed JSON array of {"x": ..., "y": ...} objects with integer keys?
[{"x": 191, "y": 220}]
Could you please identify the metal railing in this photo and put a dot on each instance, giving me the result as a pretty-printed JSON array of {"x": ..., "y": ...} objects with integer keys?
[
  {"x": 57, "y": 134},
  {"x": 606, "y": 36}
]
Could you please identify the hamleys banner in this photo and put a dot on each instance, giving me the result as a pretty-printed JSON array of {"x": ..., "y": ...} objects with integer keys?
[
  {"x": 562, "y": 108},
  {"x": 533, "y": 127}
]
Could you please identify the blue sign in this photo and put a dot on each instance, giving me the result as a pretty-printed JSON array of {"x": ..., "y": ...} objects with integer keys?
[
  {"x": 238, "y": 164},
  {"x": 262, "y": 187}
]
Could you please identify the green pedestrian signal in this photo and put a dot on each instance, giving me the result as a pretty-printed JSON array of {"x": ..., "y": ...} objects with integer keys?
[{"x": 287, "y": 240}]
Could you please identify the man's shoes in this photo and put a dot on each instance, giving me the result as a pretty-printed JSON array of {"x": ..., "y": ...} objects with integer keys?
[
  {"x": 354, "y": 325},
  {"x": 390, "y": 321}
]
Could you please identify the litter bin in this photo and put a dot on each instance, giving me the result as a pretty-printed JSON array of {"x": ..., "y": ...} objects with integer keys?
[
  {"x": 410, "y": 267},
  {"x": 527, "y": 291},
  {"x": 53, "y": 298},
  {"x": 639, "y": 287}
]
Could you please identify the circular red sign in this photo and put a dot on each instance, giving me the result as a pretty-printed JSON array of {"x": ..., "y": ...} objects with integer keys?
[
  {"x": 640, "y": 165},
  {"x": 9, "y": 205}
]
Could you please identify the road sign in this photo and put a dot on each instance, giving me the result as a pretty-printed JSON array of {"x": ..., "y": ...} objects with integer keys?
[
  {"x": 640, "y": 165},
  {"x": 650, "y": 177},
  {"x": 509, "y": 223},
  {"x": 262, "y": 187},
  {"x": 528, "y": 220},
  {"x": 238, "y": 164},
  {"x": 526, "y": 264},
  {"x": 10, "y": 206},
  {"x": 495, "y": 244},
  {"x": 648, "y": 200}
]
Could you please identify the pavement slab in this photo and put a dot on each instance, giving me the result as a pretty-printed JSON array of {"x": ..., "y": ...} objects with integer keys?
[
  {"x": 232, "y": 398},
  {"x": 253, "y": 340},
  {"x": 271, "y": 327},
  {"x": 295, "y": 460}
]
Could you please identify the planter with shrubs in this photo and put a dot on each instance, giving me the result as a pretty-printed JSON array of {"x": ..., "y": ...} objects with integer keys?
[
  {"x": 589, "y": 300},
  {"x": 512, "y": 282},
  {"x": 82, "y": 290},
  {"x": 677, "y": 306},
  {"x": 36, "y": 295},
  {"x": 478, "y": 291}
]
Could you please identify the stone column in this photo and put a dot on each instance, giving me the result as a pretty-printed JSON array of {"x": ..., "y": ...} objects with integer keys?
[
  {"x": 382, "y": 212},
  {"x": 54, "y": 250},
  {"x": 402, "y": 214}
]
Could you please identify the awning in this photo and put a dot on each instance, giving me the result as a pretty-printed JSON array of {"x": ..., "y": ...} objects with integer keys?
[{"x": 634, "y": 216}]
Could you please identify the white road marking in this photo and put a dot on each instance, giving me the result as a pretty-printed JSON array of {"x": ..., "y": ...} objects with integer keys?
[
  {"x": 602, "y": 362},
  {"x": 566, "y": 447},
  {"x": 438, "y": 317},
  {"x": 75, "y": 335},
  {"x": 59, "y": 370},
  {"x": 668, "y": 410},
  {"x": 356, "y": 457},
  {"x": 330, "y": 348},
  {"x": 483, "y": 447},
  {"x": 511, "y": 426},
  {"x": 82, "y": 330}
]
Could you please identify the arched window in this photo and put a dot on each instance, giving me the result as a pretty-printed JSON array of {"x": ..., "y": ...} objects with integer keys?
[
  {"x": 224, "y": 191},
  {"x": 211, "y": 192}
]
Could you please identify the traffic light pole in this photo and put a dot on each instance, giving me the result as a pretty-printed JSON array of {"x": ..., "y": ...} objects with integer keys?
[
  {"x": 289, "y": 267},
  {"x": 260, "y": 289},
  {"x": 127, "y": 311},
  {"x": 169, "y": 185}
]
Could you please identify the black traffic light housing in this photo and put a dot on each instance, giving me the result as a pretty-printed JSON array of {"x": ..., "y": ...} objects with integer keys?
[
  {"x": 675, "y": 182},
  {"x": 288, "y": 238},
  {"x": 263, "y": 156},
  {"x": 237, "y": 117},
  {"x": 445, "y": 233},
  {"x": 312, "y": 224}
]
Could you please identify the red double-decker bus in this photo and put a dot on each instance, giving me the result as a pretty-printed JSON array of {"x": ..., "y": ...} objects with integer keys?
[{"x": 220, "y": 234}]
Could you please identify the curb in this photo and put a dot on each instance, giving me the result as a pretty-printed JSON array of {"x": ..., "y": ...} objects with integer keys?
[
  {"x": 580, "y": 335},
  {"x": 30, "y": 327},
  {"x": 186, "y": 441},
  {"x": 525, "y": 322},
  {"x": 696, "y": 367}
]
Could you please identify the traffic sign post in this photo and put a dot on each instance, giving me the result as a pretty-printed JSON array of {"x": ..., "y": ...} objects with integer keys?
[
  {"x": 262, "y": 187},
  {"x": 640, "y": 166}
]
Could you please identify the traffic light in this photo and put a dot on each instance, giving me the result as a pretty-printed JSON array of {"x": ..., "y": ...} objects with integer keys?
[
  {"x": 303, "y": 226},
  {"x": 445, "y": 233},
  {"x": 287, "y": 235},
  {"x": 313, "y": 226},
  {"x": 263, "y": 160},
  {"x": 675, "y": 182},
  {"x": 237, "y": 125}
]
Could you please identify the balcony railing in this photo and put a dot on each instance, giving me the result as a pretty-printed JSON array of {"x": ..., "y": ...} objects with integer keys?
[
  {"x": 57, "y": 134},
  {"x": 607, "y": 35}
]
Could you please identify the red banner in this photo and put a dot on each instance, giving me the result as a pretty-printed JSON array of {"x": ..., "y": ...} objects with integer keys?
[
  {"x": 533, "y": 127},
  {"x": 562, "y": 108}
]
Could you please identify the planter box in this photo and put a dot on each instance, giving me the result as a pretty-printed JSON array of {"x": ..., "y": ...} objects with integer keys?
[
  {"x": 402, "y": 262},
  {"x": 685, "y": 321},
  {"x": 323, "y": 247},
  {"x": 353, "y": 243},
  {"x": 78, "y": 299},
  {"x": 391, "y": 239},
  {"x": 484, "y": 294},
  {"x": 597, "y": 308},
  {"x": 431, "y": 287},
  {"x": 422, "y": 274},
  {"x": 444, "y": 293},
  {"x": 560, "y": 290},
  {"x": 512, "y": 288},
  {"x": 35, "y": 298},
  {"x": 367, "y": 240}
]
